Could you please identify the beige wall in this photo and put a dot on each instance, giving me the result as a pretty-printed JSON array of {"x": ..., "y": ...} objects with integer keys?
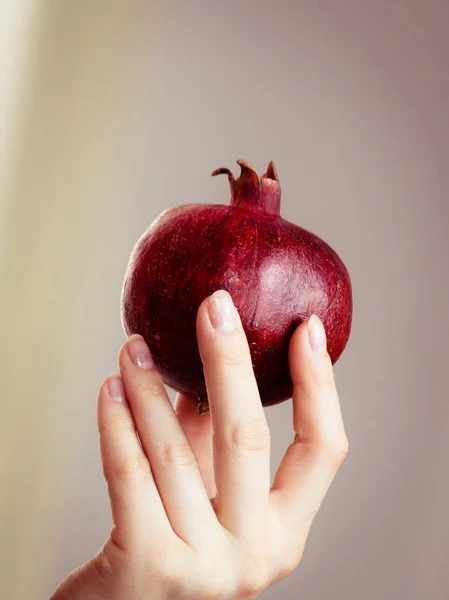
[{"x": 123, "y": 108}]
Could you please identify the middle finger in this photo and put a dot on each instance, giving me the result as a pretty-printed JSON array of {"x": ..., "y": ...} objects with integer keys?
[{"x": 241, "y": 435}]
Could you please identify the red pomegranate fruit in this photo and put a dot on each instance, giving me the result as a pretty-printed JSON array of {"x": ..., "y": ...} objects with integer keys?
[{"x": 277, "y": 273}]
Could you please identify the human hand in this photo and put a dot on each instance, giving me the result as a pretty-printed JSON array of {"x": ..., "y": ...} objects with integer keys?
[{"x": 190, "y": 523}]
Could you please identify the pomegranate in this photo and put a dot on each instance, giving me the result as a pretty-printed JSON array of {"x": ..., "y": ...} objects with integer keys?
[{"x": 277, "y": 273}]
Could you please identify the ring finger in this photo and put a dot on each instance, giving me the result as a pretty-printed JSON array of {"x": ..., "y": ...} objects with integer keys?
[{"x": 172, "y": 460}]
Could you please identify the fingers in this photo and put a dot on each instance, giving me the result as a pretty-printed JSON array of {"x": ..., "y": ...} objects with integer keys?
[
  {"x": 135, "y": 500},
  {"x": 240, "y": 432},
  {"x": 320, "y": 444},
  {"x": 175, "y": 470},
  {"x": 198, "y": 429}
]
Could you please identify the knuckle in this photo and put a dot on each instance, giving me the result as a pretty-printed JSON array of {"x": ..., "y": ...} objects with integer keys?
[
  {"x": 150, "y": 387},
  {"x": 177, "y": 452},
  {"x": 249, "y": 589},
  {"x": 336, "y": 449},
  {"x": 252, "y": 436},
  {"x": 122, "y": 351},
  {"x": 292, "y": 556},
  {"x": 289, "y": 563},
  {"x": 116, "y": 422},
  {"x": 233, "y": 356},
  {"x": 326, "y": 378},
  {"x": 132, "y": 469},
  {"x": 252, "y": 583},
  {"x": 343, "y": 449}
]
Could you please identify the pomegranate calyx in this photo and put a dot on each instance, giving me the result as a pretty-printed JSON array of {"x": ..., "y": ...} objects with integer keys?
[
  {"x": 254, "y": 193},
  {"x": 271, "y": 172}
]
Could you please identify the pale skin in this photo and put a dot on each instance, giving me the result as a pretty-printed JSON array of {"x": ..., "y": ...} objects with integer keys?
[{"x": 195, "y": 513}]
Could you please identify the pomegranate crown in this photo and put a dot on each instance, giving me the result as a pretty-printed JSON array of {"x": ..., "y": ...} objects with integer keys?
[{"x": 254, "y": 193}]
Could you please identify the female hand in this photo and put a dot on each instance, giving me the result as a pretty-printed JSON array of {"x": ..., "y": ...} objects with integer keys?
[{"x": 192, "y": 523}]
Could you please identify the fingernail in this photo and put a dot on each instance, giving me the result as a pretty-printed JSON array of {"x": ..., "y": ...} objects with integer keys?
[
  {"x": 139, "y": 353},
  {"x": 222, "y": 313},
  {"x": 317, "y": 335},
  {"x": 116, "y": 389}
]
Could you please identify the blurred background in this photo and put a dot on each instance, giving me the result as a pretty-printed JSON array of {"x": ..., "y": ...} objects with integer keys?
[{"x": 111, "y": 111}]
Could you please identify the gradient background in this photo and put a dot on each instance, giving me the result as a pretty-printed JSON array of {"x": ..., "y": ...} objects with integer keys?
[{"x": 112, "y": 111}]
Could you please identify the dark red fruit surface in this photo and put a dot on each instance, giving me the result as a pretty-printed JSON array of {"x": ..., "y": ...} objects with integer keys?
[{"x": 277, "y": 273}]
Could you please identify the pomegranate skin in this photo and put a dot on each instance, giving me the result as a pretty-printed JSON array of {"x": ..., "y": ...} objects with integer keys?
[{"x": 277, "y": 273}]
